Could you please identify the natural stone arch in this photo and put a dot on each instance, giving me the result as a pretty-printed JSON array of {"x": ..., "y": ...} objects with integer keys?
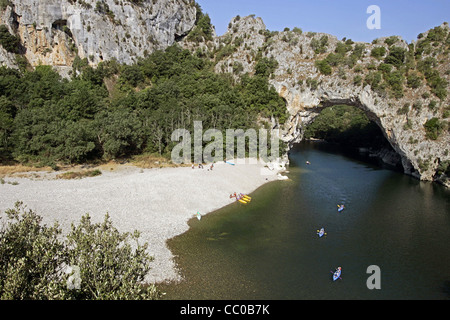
[{"x": 304, "y": 105}]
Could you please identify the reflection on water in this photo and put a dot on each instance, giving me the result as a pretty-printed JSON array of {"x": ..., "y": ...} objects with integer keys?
[{"x": 270, "y": 248}]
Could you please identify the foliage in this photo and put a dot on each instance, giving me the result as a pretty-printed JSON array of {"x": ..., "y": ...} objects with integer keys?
[
  {"x": 34, "y": 260},
  {"x": 433, "y": 128},
  {"x": 47, "y": 120},
  {"x": 396, "y": 56},
  {"x": 31, "y": 256},
  {"x": 414, "y": 80},
  {"x": 444, "y": 168},
  {"x": 378, "y": 52},
  {"x": 324, "y": 67},
  {"x": 347, "y": 125},
  {"x": 110, "y": 267},
  {"x": 203, "y": 28},
  {"x": 319, "y": 45},
  {"x": 8, "y": 41},
  {"x": 437, "y": 84}
]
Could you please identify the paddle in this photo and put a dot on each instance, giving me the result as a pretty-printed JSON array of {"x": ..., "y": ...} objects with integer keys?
[{"x": 333, "y": 274}]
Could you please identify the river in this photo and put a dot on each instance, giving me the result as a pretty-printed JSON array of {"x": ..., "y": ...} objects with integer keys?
[{"x": 270, "y": 250}]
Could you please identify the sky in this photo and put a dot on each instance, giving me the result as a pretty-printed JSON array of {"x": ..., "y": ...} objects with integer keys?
[{"x": 341, "y": 18}]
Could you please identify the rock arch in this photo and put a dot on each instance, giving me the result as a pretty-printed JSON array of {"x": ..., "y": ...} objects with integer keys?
[{"x": 304, "y": 105}]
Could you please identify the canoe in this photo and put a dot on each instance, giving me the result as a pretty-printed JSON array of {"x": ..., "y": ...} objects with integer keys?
[
  {"x": 246, "y": 198},
  {"x": 242, "y": 201},
  {"x": 337, "y": 274},
  {"x": 321, "y": 232}
]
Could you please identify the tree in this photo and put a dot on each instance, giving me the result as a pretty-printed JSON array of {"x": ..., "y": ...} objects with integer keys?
[
  {"x": 7, "y": 112},
  {"x": 378, "y": 52},
  {"x": 396, "y": 56},
  {"x": 433, "y": 128},
  {"x": 31, "y": 256},
  {"x": 8, "y": 41},
  {"x": 324, "y": 67},
  {"x": 120, "y": 133},
  {"x": 35, "y": 260},
  {"x": 110, "y": 268}
]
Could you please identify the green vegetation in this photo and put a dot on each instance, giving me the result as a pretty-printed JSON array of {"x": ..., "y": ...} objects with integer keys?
[
  {"x": 346, "y": 125},
  {"x": 8, "y": 41},
  {"x": 378, "y": 52},
  {"x": 444, "y": 168},
  {"x": 319, "y": 45},
  {"x": 79, "y": 175},
  {"x": 393, "y": 67},
  {"x": 324, "y": 67},
  {"x": 34, "y": 260},
  {"x": 433, "y": 128},
  {"x": 46, "y": 120},
  {"x": 203, "y": 28}
]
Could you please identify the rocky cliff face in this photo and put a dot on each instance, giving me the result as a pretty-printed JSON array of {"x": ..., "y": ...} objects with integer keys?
[
  {"x": 54, "y": 32},
  {"x": 400, "y": 87}
]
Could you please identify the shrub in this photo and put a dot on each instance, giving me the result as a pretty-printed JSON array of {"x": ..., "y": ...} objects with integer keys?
[
  {"x": 8, "y": 41},
  {"x": 357, "y": 80},
  {"x": 378, "y": 52},
  {"x": 433, "y": 128},
  {"x": 319, "y": 45},
  {"x": 324, "y": 67},
  {"x": 34, "y": 260},
  {"x": 396, "y": 56},
  {"x": 414, "y": 80},
  {"x": 312, "y": 83}
]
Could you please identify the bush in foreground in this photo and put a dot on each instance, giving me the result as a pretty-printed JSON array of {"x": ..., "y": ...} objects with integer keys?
[{"x": 94, "y": 261}]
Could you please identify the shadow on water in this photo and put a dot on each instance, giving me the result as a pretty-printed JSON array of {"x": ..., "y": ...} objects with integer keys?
[
  {"x": 270, "y": 248},
  {"x": 446, "y": 288}
]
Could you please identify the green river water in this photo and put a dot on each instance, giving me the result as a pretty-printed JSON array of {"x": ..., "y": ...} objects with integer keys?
[{"x": 270, "y": 250}]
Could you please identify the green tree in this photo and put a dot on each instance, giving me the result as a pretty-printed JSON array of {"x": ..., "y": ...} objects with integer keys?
[
  {"x": 113, "y": 265},
  {"x": 31, "y": 256},
  {"x": 433, "y": 128},
  {"x": 8, "y": 41},
  {"x": 34, "y": 260},
  {"x": 324, "y": 67}
]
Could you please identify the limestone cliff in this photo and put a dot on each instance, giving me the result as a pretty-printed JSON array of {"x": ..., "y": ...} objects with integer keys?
[
  {"x": 54, "y": 32},
  {"x": 400, "y": 87}
]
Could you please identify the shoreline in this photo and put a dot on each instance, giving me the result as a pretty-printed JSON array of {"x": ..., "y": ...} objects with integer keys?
[{"x": 157, "y": 202}]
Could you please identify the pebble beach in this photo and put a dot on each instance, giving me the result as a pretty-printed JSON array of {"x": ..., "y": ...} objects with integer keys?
[{"x": 156, "y": 202}]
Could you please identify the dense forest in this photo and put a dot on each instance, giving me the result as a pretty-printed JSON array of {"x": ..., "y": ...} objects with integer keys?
[{"x": 116, "y": 111}]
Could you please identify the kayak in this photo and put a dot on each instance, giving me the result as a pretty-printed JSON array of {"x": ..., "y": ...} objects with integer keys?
[
  {"x": 340, "y": 208},
  {"x": 337, "y": 274},
  {"x": 321, "y": 232},
  {"x": 199, "y": 216},
  {"x": 242, "y": 201}
]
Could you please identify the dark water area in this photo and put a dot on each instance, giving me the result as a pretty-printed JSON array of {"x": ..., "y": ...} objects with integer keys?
[{"x": 269, "y": 249}]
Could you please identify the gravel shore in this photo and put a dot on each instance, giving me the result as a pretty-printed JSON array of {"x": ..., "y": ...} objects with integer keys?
[{"x": 157, "y": 202}]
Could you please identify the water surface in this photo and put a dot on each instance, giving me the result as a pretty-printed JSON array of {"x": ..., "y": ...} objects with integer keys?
[{"x": 269, "y": 249}]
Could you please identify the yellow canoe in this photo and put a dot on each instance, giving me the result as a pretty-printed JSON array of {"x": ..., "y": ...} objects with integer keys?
[
  {"x": 247, "y": 198},
  {"x": 242, "y": 201}
]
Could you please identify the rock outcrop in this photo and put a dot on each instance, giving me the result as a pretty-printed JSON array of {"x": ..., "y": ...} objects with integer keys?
[
  {"x": 400, "y": 107},
  {"x": 400, "y": 86},
  {"x": 54, "y": 32}
]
